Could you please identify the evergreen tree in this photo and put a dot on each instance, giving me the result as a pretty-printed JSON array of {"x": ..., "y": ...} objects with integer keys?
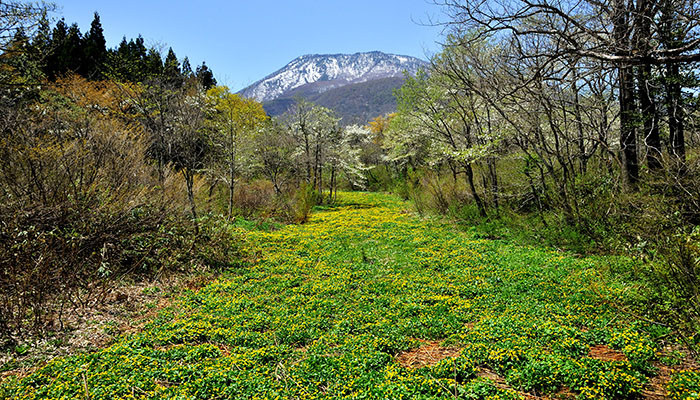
[
  {"x": 154, "y": 63},
  {"x": 41, "y": 44},
  {"x": 95, "y": 50},
  {"x": 205, "y": 76},
  {"x": 137, "y": 49},
  {"x": 19, "y": 71},
  {"x": 186, "y": 68},
  {"x": 171, "y": 68},
  {"x": 117, "y": 65},
  {"x": 128, "y": 61},
  {"x": 54, "y": 67},
  {"x": 14, "y": 58},
  {"x": 137, "y": 54},
  {"x": 123, "y": 48},
  {"x": 72, "y": 54}
]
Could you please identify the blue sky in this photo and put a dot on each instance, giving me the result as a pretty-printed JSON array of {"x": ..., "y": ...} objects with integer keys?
[{"x": 242, "y": 41}]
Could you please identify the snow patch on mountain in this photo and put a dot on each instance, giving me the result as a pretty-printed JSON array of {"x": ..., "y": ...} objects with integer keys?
[{"x": 336, "y": 69}]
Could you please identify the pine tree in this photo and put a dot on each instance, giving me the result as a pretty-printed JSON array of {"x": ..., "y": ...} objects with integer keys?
[
  {"x": 54, "y": 67},
  {"x": 41, "y": 44},
  {"x": 72, "y": 53},
  {"x": 137, "y": 56},
  {"x": 118, "y": 63},
  {"x": 171, "y": 69},
  {"x": 186, "y": 68},
  {"x": 205, "y": 76},
  {"x": 19, "y": 71},
  {"x": 95, "y": 50},
  {"x": 137, "y": 49},
  {"x": 123, "y": 48},
  {"x": 154, "y": 63}
]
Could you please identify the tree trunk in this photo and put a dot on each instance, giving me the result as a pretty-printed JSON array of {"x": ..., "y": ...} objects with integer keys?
[
  {"x": 231, "y": 187},
  {"x": 580, "y": 140},
  {"x": 189, "y": 182},
  {"x": 307, "y": 150},
  {"x": 643, "y": 19},
  {"x": 232, "y": 170},
  {"x": 472, "y": 189},
  {"x": 675, "y": 113},
  {"x": 628, "y": 131},
  {"x": 494, "y": 181},
  {"x": 650, "y": 118}
]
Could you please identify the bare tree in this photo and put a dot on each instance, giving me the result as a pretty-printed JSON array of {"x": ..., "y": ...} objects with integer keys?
[
  {"x": 616, "y": 34},
  {"x": 275, "y": 152},
  {"x": 16, "y": 16},
  {"x": 313, "y": 127}
]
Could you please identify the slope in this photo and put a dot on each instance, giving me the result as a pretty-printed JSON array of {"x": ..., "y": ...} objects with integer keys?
[
  {"x": 355, "y": 103},
  {"x": 320, "y": 72}
]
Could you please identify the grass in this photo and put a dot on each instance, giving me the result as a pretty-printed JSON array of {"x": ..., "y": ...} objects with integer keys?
[{"x": 328, "y": 306}]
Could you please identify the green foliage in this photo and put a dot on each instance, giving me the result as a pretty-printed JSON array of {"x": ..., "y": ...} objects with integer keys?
[
  {"x": 675, "y": 281},
  {"x": 458, "y": 369},
  {"x": 205, "y": 76},
  {"x": 305, "y": 198},
  {"x": 538, "y": 376},
  {"x": 95, "y": 50},
  {"x": 594, "y": 379},
  {"x": 684, "y": 385},
  {"x": 327, "y": 306}
]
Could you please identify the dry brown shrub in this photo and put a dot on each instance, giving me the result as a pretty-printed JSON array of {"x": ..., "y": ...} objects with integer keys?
[
  {"x": 254, "y": 198},
  {"x": 79, "y": 204}
]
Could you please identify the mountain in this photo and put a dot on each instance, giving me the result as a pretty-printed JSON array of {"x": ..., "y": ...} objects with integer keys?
[
  {"x": 355, "y": 103},
  {"x": 358, "y": 86}
]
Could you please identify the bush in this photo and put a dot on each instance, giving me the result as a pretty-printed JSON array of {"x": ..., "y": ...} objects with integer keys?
[
  {"x": 60, "y": 257},
  {"x": 259, "y": 200},
  {"x": 304, "y": 199},
  {"x": 675, "y": 284},
  {"x": 254, "y": 198},
  {"x": 81, "y": 208}
]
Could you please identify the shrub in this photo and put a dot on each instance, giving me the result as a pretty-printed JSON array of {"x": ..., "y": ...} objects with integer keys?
[
  {"x": 254, "y": 198},
  {"x": 64, "y": 256},
  {"x": 675, "y": 284}
]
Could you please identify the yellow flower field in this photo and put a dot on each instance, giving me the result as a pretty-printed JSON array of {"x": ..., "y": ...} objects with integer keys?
[{"x": 330, "y": 305}]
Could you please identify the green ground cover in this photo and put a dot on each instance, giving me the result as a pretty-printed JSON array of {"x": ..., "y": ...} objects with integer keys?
[{"x": 329, "y": 305}]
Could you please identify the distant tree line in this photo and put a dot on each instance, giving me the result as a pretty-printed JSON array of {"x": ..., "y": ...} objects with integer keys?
[{"x": 62, "y": 50}]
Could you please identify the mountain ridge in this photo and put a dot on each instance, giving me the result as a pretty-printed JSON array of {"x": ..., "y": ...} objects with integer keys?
[
  {"x": 330, "y": 71},
  {"x": 356, "y": 103}
]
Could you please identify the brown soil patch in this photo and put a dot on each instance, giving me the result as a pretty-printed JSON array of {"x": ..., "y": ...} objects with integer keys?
[
  {"x": 604, "y": 353},
  {"x": 656, "y": 387},
  {"x": 497, "y": 379},
  {"x": 500, "y": 383},
  {"x": 429, "y": 353},
  {"x": 136, "y": 324}
]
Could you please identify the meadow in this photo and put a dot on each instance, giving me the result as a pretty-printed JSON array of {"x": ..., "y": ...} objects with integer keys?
[{"x": 367, "y": 300}]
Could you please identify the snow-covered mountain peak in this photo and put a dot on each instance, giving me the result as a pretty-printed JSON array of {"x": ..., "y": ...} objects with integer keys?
[{"x": 329, "y": 71}]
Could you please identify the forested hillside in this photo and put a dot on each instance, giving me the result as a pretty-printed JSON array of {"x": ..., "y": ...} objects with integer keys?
[
  {"x": 354, "y": 103},
  {"x": 524, "y": 225}
]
